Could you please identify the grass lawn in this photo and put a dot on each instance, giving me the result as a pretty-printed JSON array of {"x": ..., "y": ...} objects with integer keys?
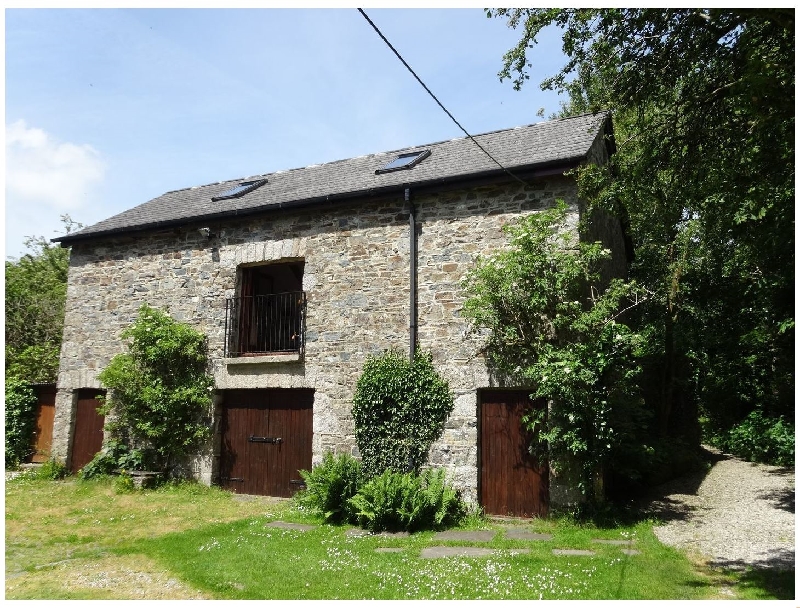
[{"x": 71, "y": 539}]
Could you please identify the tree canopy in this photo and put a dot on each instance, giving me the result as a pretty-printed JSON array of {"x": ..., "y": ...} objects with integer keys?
[
  {"x": 703, "y": 106},
  {"x": 36, "y": 291}
]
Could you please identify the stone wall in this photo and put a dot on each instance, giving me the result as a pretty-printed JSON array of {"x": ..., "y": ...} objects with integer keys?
[{"x": 356, "y": 278}]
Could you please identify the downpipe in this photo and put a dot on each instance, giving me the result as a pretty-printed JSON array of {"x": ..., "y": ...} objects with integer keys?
[{"x": 412, "y": 242}]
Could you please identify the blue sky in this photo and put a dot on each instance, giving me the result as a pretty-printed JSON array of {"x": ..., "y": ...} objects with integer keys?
[{"x": 109, "y": 108}]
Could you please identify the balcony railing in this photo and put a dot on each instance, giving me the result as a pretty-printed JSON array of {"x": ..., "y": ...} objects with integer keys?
[{"x": 263, "y": 325}]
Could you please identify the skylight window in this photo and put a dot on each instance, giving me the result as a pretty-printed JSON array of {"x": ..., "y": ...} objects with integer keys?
[
  {"x": 240, "y": 190},
  {"x": 404, "y": 161}
]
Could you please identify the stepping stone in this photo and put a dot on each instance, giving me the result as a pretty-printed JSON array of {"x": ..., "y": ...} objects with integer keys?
[
  {"x": 393, "y": 534},
  {"x": 631, "y": 552},
  {"x": 434, "y": 552},
  {"x": 612, "y": 542},
  {"x": 572, "y": 552},
  {"x": 288, "y": 526},
  {"x": 478, "y": 536},
  {"x": 389, "y": 550},
  {"x": 518, "y": 534},
  {"x": 360, "y": 533}
]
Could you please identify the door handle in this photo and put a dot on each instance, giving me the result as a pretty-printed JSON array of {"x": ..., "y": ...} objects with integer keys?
[{"x": 254, "y": 439}]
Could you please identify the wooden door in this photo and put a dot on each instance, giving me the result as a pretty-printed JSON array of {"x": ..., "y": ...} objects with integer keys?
[
  {"x": 45, "y": 414},
  {"x": 266, "y": 440},
  {"x": 88, "y": 435},
  {"x": 511, "y": 481}
]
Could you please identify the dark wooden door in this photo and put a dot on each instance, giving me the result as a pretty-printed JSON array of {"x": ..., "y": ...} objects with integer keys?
[
  {"x": 266, "y": 440},
  {"x": 511, "y": 481},
  {"x": 88, "y": 436},
  {"x": 45, "y": 414}
]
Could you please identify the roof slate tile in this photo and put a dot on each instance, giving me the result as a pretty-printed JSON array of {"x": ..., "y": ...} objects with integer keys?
[{"x": 562, "y": 140}]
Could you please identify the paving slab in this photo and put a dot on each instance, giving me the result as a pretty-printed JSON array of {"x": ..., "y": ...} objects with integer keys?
[
  {"x": 477, "y": 536},
  {"x": 360, "y": 533},
  {"x": 572, "y": 552},
  {"x": 289, "y": 526},
  {"x": 631, "y": 552},
  {"x": 521, "y": 534},
  {"x": 389, "y": 550},
  {"x": 435, "y": 552},
  {"x": 606, "y": 541}
]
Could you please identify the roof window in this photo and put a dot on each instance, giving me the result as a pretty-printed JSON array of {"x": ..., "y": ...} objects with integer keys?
[
  {"x": 240, "y": 190},
  {"x": 404, "y": 161}
]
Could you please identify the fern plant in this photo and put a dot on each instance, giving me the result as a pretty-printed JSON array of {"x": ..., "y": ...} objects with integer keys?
[
  {"x": 406, "y": 501},
  {"x": 330, "y": 485},
  {"x": 376, "y": 505}
]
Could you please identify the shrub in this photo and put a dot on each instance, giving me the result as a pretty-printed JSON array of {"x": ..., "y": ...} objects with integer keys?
[
  {"x": 761, "y": 438},
  {"x": 330, "y": 485},
  {"x": 437, "y": 504},
  {"x": 52, "y": 470},
  {"x": 551, "y": 321},
  {"x": 20, "y": 420},
  {"x": 406, "y": 501},
  {"x": 160, "y": 390},
  {"x": 399, "y": 410},
  {"x": 123, "y": 484},
  {"x": 115, "y": 455}
]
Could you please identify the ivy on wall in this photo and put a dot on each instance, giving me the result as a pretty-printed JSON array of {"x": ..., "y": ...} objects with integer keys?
[{"x": 399, "y": 409}]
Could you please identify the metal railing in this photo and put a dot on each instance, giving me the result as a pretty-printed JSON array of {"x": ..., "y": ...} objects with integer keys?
[{"x": 261, "y": 325}]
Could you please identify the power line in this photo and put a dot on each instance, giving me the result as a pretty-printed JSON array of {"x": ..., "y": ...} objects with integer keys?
[{"x": 424, "y": 86}]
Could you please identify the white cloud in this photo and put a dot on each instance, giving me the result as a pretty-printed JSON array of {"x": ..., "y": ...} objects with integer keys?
[{"x": 43, "y": 171}]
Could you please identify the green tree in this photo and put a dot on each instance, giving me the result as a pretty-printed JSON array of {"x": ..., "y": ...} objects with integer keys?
[
  {"x": 703, "y": 103},
  {"x": 554, "y": 326},
  {"x": 36, "y": 291},
  {"x": 160, "y": 392}
]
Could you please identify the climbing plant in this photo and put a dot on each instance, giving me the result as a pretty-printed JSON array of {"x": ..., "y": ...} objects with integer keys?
[
  {"x": 550, "y": 323},
  {"x": 399, "y": 410},
  {"x": 20, "y": 420},
  {"x": 160, "y": 392}
]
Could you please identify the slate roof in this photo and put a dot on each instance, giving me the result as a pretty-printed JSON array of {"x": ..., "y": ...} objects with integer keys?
[{"x": 557, "y": 142}]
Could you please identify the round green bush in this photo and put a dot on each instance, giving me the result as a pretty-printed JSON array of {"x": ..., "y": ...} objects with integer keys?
[{"x": 399, "y": 409}]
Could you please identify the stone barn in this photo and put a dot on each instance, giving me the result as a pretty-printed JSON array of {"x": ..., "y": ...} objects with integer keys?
[{"x": 297, "y": 276}]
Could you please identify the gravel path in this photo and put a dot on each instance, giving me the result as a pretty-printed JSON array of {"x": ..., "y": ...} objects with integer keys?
[{"x": 739, "y": 514}]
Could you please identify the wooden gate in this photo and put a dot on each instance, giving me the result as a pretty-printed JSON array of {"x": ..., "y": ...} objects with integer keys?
[
  {"x": 511, "y": 481},
  {"x": 88, "y": 435},
  {"x": 266, "y": 440},
  {"x": 45, "y": 414}
]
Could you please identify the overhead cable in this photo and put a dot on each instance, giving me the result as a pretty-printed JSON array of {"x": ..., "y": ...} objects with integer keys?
[{"x": 424, "y": 86}]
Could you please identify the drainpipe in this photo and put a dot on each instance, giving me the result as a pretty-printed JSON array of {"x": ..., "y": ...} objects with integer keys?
[{"x": 412, "y": 245}]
